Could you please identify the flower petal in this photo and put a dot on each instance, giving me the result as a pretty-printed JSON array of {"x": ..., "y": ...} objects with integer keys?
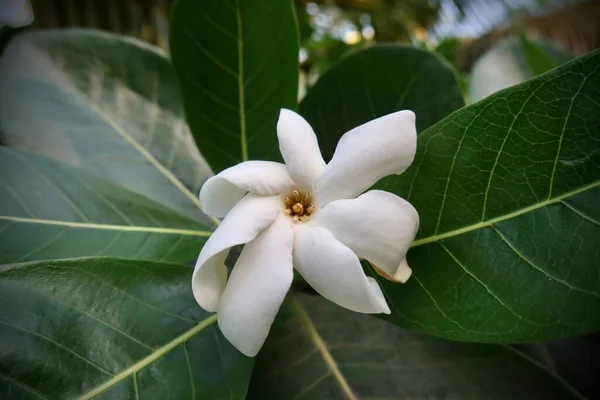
[
  {"x": 334, "y": 271},
  {"x": 367, "y": 153},
  {"x": 244, "y": 222},
  {"x": 258, "y": 284},
  {"x": 221, "y": 192},
  {"x": 299, "y": 148},
  {"x": 378, "y": 226}
]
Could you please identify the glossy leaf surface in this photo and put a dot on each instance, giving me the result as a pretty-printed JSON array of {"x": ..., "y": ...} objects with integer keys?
[
  {"x": 111, "y": 328},
  {"x": 237, "y": 64},
  {"x": 51, "y": 210},
  {"x": 105, "y": 103},
  {"x": 507, "y": 190},
  {"x": 97, "y": 160},
  {"x": 319, "y": 351}
]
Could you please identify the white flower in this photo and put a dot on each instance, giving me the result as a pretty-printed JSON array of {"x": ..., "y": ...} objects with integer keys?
[{"x": 306, "y": 215}]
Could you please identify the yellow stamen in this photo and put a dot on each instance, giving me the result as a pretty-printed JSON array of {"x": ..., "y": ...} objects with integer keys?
[
  {"x": 298, "y": 208},
  {"x": 307, "y": 198},
  {"x": 298, "y": 205}
]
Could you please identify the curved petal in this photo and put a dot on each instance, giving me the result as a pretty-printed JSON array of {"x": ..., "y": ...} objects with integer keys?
[
  {"x": 258, "y": 284},
  {"x": 367, "y": 153},
  {"x": 299, "y": 148},
  {"x": 265, "y": 178},
  {"x": 246, "y": 220},
  {"x": 378, "y": 226},
  {"x": 334, "y": 271}
]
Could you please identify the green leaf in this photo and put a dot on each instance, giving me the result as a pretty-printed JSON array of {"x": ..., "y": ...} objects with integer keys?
[
  {"x": 105, "y": 103},
  {"x": 237, "y": 64},
  {"x": 317, "y": 350},
  {"x": 379, "y": 81},
  {"x": 507, "y": 193},
  {"x": 100, "y": 162},
  {"x": 52, "y": 210},
  {"x": 538, "y": 60},
  {"x": 111, "y": 328}
]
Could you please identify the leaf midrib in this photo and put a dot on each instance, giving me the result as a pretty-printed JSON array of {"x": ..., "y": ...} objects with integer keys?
[
  {"x": 306, "y": 321},
  {"x": 146, "y": 154},
  {"x": 545, "y": 369},
  {"x": 483, "y": 224},
  {"x": 240, "y": 79},
  {"x": 122, "y": 228},
  {"x": 150, "y": 358}
]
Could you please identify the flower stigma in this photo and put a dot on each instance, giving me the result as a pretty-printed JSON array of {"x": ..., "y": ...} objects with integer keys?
[{"x": 299, "y": 206}]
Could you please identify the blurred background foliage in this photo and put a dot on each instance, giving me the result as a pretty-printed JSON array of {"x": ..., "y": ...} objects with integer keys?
[
  {"x": 491, "y": 43},
  {"x": 459, "y": 30},
  {"x": 487, "y": 41}
]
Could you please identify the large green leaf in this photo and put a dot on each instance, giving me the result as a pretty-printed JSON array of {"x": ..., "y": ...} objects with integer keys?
[
  {"x": 237, "y": 63},
  {"x": 379, "y": 81},
  {"x": 318, "y": 351},
  {"x": 507, "y": 190},
  {"x": 111, "y": 328},
  {"x": 52, "y": 210},
  {"x": 114, "y": 172},
  {"x": 104, "y": 103}
]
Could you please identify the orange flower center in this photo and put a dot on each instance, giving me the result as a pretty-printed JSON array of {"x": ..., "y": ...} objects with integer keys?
[{"x": 299, "y": 206}]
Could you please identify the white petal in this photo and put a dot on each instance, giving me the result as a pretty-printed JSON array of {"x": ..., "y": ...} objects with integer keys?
[
  {"x": 367, "y": 153},
  {"x": 378, "y": 226},
  {"x": 244, "y": 222},
  {"x": 258, "y": 284},
  {"x": 221, "y": 192},
  {"x": 334, "y": 271},
  {"x": 299, "y": 148}
]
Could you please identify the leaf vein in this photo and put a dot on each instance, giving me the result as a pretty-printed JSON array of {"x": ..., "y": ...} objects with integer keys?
[
  {"x": 240, "y": 79},
  {"x": 125, "y": 293},
  {"x": 434, "y": 301},
  {"x": 483, "y": 224},
  {"x": 20, "y": 200},
  {"x": 54, "y": 186},
  {"x": 310, "y": 387},
  {"x": 105, "y": 200},
  {"x": 508, "y": 132},
  {"x": 55, "y": 343},
  {"x": 145, "y": 153},
  {"x": 549, "y": 275},
  {"x": 189, "y": 364},
  {"x": 486, "y": 287},
  {"x": 562, "y": 133},
  {"x": 23, "y": 386},
  {"x": 208, "y": 54},
  {"x": 150, "y": 229},
  {"x": 581, "y": 214},
  {"x": 43, "y": 246},
  {"x": 143, "y": 363},
  {"x": 322, "y": 347},
  {"x": 218, "y": 342}
]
